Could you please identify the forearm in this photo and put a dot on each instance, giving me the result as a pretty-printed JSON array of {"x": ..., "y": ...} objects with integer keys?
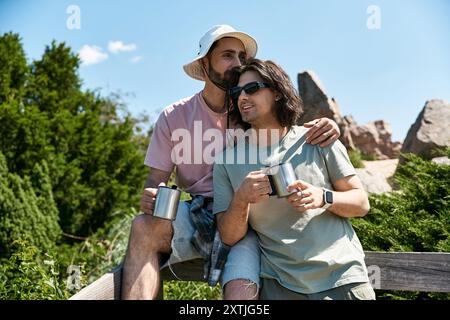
[
  {"x": 152, "y": 182},
  {"x": 155, "y": 177},
  {"x": 233, "y": 223},
  {"x": 349, "y": 204}
]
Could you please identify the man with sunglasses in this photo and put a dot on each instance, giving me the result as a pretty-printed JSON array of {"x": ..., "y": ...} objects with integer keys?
[
  {"x": 309, "y": 250},
  {"x": 156, "y": 243},
  {"x": 249, "y": 88}
]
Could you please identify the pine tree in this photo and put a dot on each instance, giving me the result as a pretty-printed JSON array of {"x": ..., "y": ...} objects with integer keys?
[
  {"x": 94, "y": 159},
  {"x": 13, "y": 68},
  {"x": 27, "y": 209}
]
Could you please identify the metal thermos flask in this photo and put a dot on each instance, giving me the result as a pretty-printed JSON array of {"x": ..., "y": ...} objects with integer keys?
[{"x": 166, "y": 204}]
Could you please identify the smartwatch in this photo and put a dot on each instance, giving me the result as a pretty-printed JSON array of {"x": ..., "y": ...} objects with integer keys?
[{"x": 327, "y": 198}]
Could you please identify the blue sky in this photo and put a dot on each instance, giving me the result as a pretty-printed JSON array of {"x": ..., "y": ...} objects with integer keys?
[{"x": 387, "y": 73}]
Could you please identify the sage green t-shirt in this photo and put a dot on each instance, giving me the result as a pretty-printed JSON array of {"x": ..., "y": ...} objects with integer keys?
[{"x": 306, "y": 252}]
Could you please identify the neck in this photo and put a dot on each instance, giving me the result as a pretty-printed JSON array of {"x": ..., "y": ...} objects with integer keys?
[
  {"x": 269, "y": 134},
  {"x": 214, "y": 97}
]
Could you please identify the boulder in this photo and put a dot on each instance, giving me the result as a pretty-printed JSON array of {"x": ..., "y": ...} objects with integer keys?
[
  {"x": 317, "y": 103},
  {"x": 430, "y": 131},
  {"x": 376, "y": 174},
  {"x": 373, "y": 182},
  {"x": 373, "y": 138},
  {"x": 441, "y": 160}
]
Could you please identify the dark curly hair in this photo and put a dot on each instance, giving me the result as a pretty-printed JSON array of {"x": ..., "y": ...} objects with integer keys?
[{"x": 288, "y": 109}]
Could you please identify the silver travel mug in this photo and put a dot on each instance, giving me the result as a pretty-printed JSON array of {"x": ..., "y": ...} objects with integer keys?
[
  {"x": 280, "y": 176},
  {"x": 166, "y": 204}
]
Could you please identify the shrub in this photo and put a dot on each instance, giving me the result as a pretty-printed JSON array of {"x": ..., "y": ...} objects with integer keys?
[
  {"x": 27, "y": 209},
  {"x": 29, "y": 275},
  {"x": 356, "y": 158},
  {"x": 414, "y": 218}
]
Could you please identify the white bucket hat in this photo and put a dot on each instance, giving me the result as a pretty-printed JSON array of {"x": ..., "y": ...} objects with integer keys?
[{"x": 195, "y": 70}]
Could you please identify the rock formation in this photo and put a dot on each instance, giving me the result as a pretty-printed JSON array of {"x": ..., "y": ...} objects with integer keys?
[
  {"x": 431, "y": 130},
  {"x": 373, "y": 138}
]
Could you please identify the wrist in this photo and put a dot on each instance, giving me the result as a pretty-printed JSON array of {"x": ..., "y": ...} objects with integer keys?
[
  {"x": 327, "y": 198},
  {"x": 238, "y": 202}
]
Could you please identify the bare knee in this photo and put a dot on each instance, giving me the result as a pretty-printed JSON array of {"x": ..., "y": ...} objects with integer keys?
[
  {"x": 151, "y": 233},
  {"x": 240, "y": 289}
]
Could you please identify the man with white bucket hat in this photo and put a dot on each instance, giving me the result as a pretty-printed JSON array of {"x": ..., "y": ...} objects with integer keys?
[{"x": 156, "y": 243}]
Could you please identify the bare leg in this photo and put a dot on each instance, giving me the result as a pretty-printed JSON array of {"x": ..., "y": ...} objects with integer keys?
[
  {"x": 149, "y": 238},
  {"x": 240, "y": 289}
]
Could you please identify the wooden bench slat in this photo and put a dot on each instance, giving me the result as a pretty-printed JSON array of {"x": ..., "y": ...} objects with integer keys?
[
  {"x": 408, "y": 271},
  {"x": 107, "y": 287}
]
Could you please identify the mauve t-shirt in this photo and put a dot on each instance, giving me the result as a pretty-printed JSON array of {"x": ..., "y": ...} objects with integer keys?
[{"x": 187, "y": 136}]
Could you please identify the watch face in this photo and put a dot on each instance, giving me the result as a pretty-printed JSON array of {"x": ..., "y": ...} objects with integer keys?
[{"x": 329, "y": 197}]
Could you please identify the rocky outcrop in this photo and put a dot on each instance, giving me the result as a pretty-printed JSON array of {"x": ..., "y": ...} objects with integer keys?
[
  {"x": 376, "y": 175},
  {"x": 317, "y": 104},
  {"x": 373, "y": 182},
  {"x": 373, "y": 138},
  {"x": 431, "y": 130},
  {"x": 441, "y": 161}
]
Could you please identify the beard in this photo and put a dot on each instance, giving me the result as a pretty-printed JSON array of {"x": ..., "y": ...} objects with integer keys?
[
  {"x": 248, "y": 117},
  {"x": 225, "y": 81}
]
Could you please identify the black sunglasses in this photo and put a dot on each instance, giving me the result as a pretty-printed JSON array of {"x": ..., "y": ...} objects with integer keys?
[{"x": 249, "y": 88}]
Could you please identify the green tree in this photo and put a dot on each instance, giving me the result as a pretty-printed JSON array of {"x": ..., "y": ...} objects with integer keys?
[
  {"x": 27, "y": 209},
  {"x": 54, "y": 83},
  {"x": 92, "y": 152},
  {"x": 13, "y": 68}
]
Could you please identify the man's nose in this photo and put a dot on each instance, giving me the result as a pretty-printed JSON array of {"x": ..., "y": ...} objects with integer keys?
[
  {"x": 237, "y": 62},
  {"x": 243, "y": 95}
]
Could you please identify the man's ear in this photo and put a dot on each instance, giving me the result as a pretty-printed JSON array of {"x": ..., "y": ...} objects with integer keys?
[{"x": 204, "y": 62}]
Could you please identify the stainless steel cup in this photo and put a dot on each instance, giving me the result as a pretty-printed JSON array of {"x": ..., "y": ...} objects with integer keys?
[
  {"x": 166, "y": 204},
  {"x": 280, "y": 176}
]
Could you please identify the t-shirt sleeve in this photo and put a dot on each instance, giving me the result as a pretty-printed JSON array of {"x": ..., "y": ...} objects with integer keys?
[
  {"x": 337, "y": 161},
  {"x": 223, "y": 190},
  {"x": 159, "y": 151}
]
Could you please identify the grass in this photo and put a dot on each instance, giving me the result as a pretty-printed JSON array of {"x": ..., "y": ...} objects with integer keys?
[{"x": 191, "y": 290}]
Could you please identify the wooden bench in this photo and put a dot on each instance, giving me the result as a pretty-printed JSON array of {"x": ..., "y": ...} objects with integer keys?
[{"x": 408, "y": 271}]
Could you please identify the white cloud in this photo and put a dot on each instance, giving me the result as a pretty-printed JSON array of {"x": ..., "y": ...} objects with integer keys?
[
  {"x": 91, "y": 55},
  {"x": 118, "y": 46},
  {"x": 136, "y": 59}
]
